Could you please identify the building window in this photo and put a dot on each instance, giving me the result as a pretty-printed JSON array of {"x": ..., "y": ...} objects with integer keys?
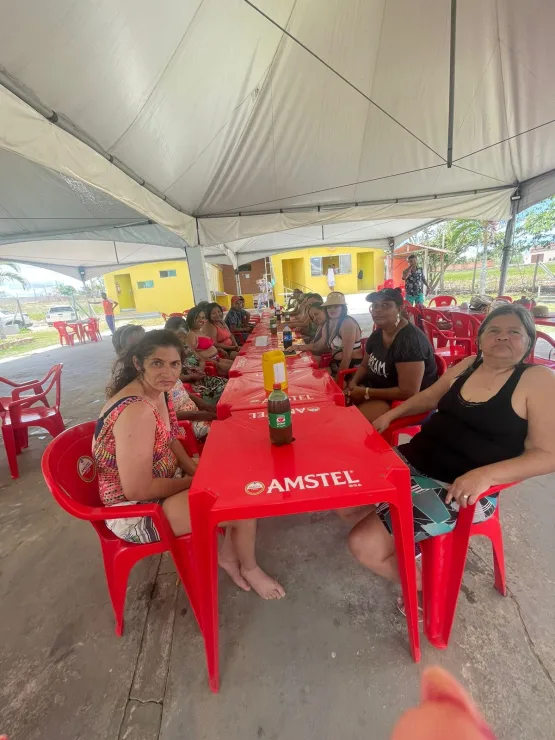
[
  {"x": 316, "y": 269},
  {"x": 245, "y": 268},
  {"x": 344, "y": 264},
  {"x": 145, "y": 284},
  {"x": 168, "y": 273}
]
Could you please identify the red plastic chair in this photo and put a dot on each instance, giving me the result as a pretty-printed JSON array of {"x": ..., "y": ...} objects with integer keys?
[
  {"x": 65, "y": 334},
  {"x": 504, "y": 298},
  {"x": 548, "y": 362},
  {"x": 443, "y": 561},
  {"x": 91, "y": 330},
  {"x": 414, "y": 314},
  {"x": 95, "y": 323},
  {"x": 18, "y": 389},
  {"x": 466, "y": 326},
  {"x": 457, "y": 347},
  {"x": 70, "y": 474},
  {"x": 22, "y": 414},
  {"x": 443, "y": 300}
]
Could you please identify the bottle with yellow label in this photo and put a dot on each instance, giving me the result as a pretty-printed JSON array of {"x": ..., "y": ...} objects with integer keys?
[{"x": 274, "y": 369}]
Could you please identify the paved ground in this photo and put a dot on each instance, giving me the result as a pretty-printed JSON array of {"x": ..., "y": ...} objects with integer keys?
[{"x": 329, "y": 661}]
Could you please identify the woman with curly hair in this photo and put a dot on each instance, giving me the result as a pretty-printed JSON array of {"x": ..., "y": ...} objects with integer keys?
[{"x": 139, "y": 457}]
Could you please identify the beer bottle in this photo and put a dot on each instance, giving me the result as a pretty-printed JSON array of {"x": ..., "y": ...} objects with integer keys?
[
  {"x": 278, "y": 313},
  {"x": 273, "y": 326},
  {"x": 287, "y": 337},
  {"x": 279, "y": 417}
]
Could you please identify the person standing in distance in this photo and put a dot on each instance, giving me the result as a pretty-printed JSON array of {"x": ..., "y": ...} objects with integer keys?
[
  {"x": 108, "y": 306},
  {"x": 331, "y": 278},
  {"x": 415, "y": 280}
]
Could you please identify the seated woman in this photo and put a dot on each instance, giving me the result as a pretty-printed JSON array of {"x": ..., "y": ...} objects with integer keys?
[
  {"x": 208, "y": 387},
  {"x": 495, "y": 424},
  {"x": 341, "y": 334},
  {"x": 139, "y": 457},
  {"x": 202, "y": 344},
  {"x": 398, "y": 358},
  {"x": 125, "y": 336},
  {"x": 217, "y": 330},
  {"x": 314, "y": 343},
  {"x": 302, "y": 321}
]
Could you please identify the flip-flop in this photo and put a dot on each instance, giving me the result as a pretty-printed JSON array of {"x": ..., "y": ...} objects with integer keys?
[{"x": 401, "y": 607}]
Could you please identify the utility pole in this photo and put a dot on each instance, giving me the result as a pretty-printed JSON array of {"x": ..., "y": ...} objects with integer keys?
[{"x": 484, "y": 273}]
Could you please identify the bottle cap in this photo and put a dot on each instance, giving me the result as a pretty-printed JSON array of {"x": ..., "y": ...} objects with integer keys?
[{"x": 277, "y": 386}]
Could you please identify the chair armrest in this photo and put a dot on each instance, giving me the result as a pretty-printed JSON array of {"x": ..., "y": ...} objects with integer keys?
[
  {"x": 342, "y": 374},
  {"x": 152, "y": 509},
  {"x": 13, "y": 384},
  {"x": 460, "y": 340},
  {"x": 33, "y": 385}
]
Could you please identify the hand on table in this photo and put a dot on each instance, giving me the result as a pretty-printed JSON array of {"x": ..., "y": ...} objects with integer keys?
[
  {"x": 466, "y": 489},
  {"x": 381, "y": 423}
]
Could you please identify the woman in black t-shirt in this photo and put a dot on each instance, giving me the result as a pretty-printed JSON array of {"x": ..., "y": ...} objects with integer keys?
[{"x": 398, "y": 358}]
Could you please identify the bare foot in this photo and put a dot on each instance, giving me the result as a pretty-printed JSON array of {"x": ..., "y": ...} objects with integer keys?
[
  {"x": 233, "y": 569},
  {"x": 264, "y": 586}
]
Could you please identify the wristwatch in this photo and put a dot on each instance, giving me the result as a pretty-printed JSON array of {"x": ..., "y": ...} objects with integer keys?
[{"x": 367, "y": 394}]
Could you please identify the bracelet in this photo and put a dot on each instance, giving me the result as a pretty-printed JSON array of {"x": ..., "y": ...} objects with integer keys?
[{"x": 367, "y": 394}]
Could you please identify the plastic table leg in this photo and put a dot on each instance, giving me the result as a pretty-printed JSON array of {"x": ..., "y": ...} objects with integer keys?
[{"x": 403, "y": 532}]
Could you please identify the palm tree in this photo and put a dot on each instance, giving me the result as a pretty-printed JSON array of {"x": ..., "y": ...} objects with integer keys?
[{"x": 10, "y": 273}]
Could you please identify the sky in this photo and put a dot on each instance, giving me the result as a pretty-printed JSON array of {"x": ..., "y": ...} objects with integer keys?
[{"x": 38, "y": 277}]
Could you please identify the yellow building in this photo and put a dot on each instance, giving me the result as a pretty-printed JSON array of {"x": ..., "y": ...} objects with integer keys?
[
  {"x": 166, "y": 286},
  {"x": 151, "y": 287},
  {"x": 357, "y": 270}
]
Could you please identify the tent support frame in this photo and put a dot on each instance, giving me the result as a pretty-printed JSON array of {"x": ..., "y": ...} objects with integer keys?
[
  {"x": 452, "y": 51},
  {"x": 508, "y": 244}
]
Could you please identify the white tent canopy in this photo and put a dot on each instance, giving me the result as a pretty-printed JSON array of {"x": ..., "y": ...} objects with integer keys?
[{"x": 248, "y": 126}]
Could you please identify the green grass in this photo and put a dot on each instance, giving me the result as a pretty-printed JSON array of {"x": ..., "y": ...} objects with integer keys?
[{"x": 40, "y": 339}]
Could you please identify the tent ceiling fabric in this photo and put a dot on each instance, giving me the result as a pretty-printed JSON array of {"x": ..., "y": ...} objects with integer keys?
[
  {"x": 86, "y": 259},
  {"x": 254, "y": 131}
]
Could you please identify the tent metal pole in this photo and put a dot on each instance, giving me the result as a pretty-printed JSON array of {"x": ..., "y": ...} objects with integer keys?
[
  {"x": 452, "y": 82},
  {"x": 508, "y": 244},
  {"x": 321, "y": 209}
]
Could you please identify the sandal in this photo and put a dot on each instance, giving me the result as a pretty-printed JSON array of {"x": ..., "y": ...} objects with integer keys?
[{"x": 401, "y": 608}]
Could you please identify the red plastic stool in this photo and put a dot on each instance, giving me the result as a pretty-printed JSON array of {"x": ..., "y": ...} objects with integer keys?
[{"x": 443, "y": 561}]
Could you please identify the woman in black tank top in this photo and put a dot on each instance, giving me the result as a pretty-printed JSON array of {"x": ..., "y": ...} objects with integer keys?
[{"x": 494, "y": 424}]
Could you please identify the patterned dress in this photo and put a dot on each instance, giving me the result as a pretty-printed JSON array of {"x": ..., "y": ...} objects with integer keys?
[
  {"x": 210, "y": 388},
  {"x": 164, "y": 465}
]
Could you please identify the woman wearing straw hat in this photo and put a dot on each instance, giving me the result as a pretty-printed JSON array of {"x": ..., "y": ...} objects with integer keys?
[{"x": 341, "y": 334}]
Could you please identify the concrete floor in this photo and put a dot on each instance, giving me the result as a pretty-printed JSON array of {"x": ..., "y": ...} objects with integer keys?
[{"x": 329, "y": 661}]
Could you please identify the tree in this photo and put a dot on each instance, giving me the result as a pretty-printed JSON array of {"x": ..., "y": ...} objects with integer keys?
[
  {"x": 10, "y": 273},
  {"x": 66, "y": 290},
  {"x": 458, "y": 237}
]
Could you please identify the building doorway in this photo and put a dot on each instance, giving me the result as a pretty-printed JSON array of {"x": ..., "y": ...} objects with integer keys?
[
  {"x": 293, "y": 274},
  {"x": 365, "y": 270},
  {"x": 124, "y": 292}
]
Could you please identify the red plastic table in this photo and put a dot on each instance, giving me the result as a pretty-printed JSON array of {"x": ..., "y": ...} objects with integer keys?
[
  {"x": 307, "y": 388},
  {"x": 77, "y": 327},
  {"x": 337, "y": 460},
  {"x": 252, "y": 362}
]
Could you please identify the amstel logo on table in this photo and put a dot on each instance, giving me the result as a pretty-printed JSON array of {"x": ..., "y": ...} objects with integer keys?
[
  {"x": 300, "y": 397},
  {"x": 294, "y": 410},
  {"x": 304, "y": 482}
]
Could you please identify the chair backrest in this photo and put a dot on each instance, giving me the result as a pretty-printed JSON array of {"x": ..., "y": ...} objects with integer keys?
[
  {"x": 69, "y": 470},
  {"x": 432, "y": 315},
  {"x": 540, "y": 335},
  {"x": 413, "y": 312},
  {"x": 504, "y": 298},
  {"x": 52, "y": 379},
  {"x": 441, "y": 365},
  {"x": 61, "y": 327},
  {"x": 443, "y": 300}
]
